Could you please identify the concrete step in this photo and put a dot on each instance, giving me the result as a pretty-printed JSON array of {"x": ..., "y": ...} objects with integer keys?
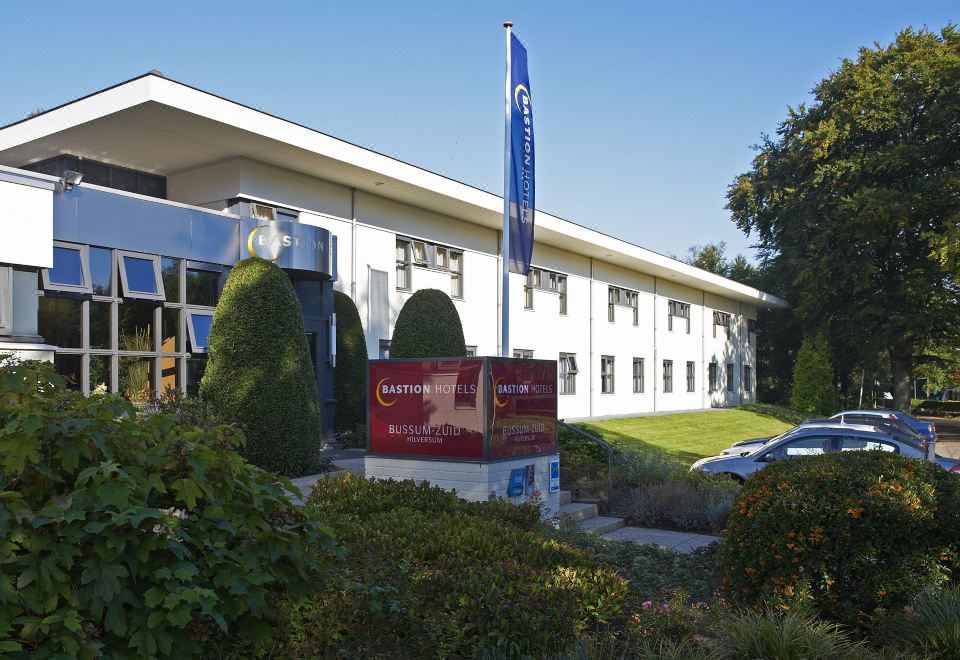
[
  {"x": 579, "y": 510},
  {"x": 565, "y": 497},
  {"x": 601, "y": 524}
]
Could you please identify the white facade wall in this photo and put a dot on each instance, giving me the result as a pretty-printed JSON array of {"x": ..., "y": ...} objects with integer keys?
[{"x": 366, "y": 227}]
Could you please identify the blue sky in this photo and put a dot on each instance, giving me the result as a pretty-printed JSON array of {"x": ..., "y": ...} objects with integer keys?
[{"x": 644, "y": 111}]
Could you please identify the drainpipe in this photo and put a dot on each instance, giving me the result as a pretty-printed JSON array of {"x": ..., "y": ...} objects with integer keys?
[
  {"x": 653, "y": 370},
  {"x": 704, "y": 387},
  {"x": 353, "y": 244},
  {"x": 590, "y": 333},
  {"x": 499, "y": 290}
]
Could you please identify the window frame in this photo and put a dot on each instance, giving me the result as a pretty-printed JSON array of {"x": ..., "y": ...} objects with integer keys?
[
  {"x": 87, "y": 286},
  {"x": 748, "y": 378},
  {"x": 607, "y": 375},
  {"x": 524, "y": 354},
  {"x": 119, "y": 257},
  {"x": 668, "y": 376},
  {"x": 691, "y": 376},
  {"x": 191, "y": 335},
  {"x": 567, "y": 371},
  {"x": 383, "y": 349},
  {"x": 729, "y": 377},
  {"x": 639, "y": 376}
]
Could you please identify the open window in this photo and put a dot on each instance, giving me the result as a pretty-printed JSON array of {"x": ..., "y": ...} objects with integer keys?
[
  {"x": 71, "y": 269},
  {"x": 198, "y": 327},
  {"x": 140, "y": 275}
]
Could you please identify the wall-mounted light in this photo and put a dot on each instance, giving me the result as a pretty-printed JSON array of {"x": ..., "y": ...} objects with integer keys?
[{"x": 71, "y": 179}]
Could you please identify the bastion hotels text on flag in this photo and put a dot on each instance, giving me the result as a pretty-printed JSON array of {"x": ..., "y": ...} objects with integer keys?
[{"x": 521, "y": 161}]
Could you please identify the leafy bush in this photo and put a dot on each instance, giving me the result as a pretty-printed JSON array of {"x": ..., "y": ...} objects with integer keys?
[
  {"x": 699, "y": 507},
  {"x": 849, "y": 533},
  {"x": 259, "y": 375},
  {"x": 350, "y": 374},
  {"x": 936, "y": 408},
  {"x": 813, "y": 390},
  {"x": 425, "y": 574},
  {"x": 782, "y": 413},
  {"x": 931, "y": 623},
  {"x": 575, "y": 447},
  {"x": 353, "y": 438},
  {"x": 784, "y": 636},
  {"x": 134, "y": 536},
  {"x": 428, "y": 326}
]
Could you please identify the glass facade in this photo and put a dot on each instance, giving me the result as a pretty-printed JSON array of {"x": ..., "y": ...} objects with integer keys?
[{"x": 117, "y": 340}]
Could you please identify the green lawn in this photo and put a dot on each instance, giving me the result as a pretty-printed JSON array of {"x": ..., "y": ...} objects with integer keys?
[{"x": 688, "y": 436}]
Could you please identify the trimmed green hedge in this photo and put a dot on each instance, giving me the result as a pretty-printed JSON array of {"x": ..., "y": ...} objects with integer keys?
[
  {"x": 937, "y": 408},
  {"x": 129, "y": 535},
  {"x": 259, "y": 375},
  {"x": 848, "y": 533},
  {"x": 350, "y": 374},
  {"x": 428, "y": 326},
  {"x": 782, "y": 413}
]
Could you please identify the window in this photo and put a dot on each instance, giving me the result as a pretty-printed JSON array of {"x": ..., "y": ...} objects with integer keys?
[
  {"x": 624, "y": 298},
  {"x": 638, "y": 384},
  {"x": 71, "y": 269},
  {"x": 729, "y": 377},
  {"x": 850, "y": 443},
  {"x": 751, "y": 331},
  {"x": 403, "y": 265},
  {"x": 140, "y": 276},
  {"x": 198, "y": 326},
  {"x": 545, "y": 280},
  {"x": 606, "y": 374},
  {"x": 714, "y": 376},
  {"x": 523, "y": 353},
  {"x": 428, "y": 255},
  {"x": 809, "y": 446},
  {"x": 568, "y": 373},
  {"x": 263, "y": 212},
  {"x": 456, "y": 274},
  {"x": 384, "y": 349},
  {"x": 668, "y": 376},
  {"x": 747, "y": 378},
  {"x": 721, "y": 319},
  {"x": 112, "y": 340},
  {"x": 677, "y": 309},
  {"x": 102, "y": 174},
  {"x": 562, "y": 291},
  {"x": 691, "y": 376},
  {"x": 471, "y": 351}
]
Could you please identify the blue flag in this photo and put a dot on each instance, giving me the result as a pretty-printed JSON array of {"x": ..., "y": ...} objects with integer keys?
[{"x": 521, "y": 161}]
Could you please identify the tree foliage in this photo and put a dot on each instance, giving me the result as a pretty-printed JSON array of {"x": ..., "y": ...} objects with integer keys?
[
  {"x": 712, "y": 258},
  {"x": 813, "y": 389},
  {"x": 260, "y": 375},
  {"x": 127, "y": 535},
  {"x": 350, "y": 374},
  {"x": 851, "y": 201},
  {"x": 428, "y": 326}
]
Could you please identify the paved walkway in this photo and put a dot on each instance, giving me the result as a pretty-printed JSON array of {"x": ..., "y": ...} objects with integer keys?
[{"x": 685, "y": 542}]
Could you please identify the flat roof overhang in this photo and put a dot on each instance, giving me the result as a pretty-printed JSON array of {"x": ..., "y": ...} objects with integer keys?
[{"x": 158, "y": 125}]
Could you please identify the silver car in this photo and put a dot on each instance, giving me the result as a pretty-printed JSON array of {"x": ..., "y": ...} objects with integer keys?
[{"x": 814, "y": 438}]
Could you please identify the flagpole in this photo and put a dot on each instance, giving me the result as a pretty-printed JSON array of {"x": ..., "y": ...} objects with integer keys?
[{"x": 505, "y": 241}]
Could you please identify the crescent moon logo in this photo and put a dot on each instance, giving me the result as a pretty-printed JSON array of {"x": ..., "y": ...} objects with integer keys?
[
  {"x": 379, "y": 398},
  {"x": 516, "y": 96},
  {"x": 496, "y": 399},
  {"x": 253, "y": 253}
]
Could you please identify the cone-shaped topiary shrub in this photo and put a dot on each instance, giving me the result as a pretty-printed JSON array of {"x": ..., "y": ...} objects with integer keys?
[
  {"x": 813, "y": 388},
  {"x": 259, "y": 375},
  {"x": 847, "y": 533},
  {"x": 350, "y": 374},
  {"x": 428, "y": 326}
]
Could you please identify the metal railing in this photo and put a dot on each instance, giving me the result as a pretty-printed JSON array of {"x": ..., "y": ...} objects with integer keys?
[{"x": 606, "y": 445}]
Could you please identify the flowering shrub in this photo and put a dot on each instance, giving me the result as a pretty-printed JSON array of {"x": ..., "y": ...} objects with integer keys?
[
  {"x": 133, "y": 536},
  {"x": 425, "y": 574},
  {"x": 849, "y": 532}
]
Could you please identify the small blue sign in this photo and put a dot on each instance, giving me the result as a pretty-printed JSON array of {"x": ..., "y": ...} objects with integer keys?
[
  {"x": 555, "y": 475},
  {"x": 518, "y": 478}
]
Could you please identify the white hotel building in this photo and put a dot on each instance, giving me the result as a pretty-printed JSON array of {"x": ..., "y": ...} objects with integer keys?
[{"x": 174, "y": 177}]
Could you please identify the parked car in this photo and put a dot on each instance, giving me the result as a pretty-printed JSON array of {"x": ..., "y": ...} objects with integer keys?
[
  {"x": 883, "y": 418},
  {"x": 927, "y": 429},
  {"x": 820, "y": 437}
]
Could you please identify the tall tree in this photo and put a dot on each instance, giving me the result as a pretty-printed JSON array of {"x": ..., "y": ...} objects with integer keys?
[
  {"x": 712, "y": 257},
  {"x": 849, "y": 202}
]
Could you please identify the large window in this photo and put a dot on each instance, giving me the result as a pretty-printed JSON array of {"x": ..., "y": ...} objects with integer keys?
[
  {"x": 747, "y": 378},
  {"x": 638, "y": 379},
  {"x": 140, "y": 328},
  {"x": 668, "y": 376},
  {"x": 568, "y": 373},
  {"x": 680, "y": 310},
  {"x": 619, "y": 297},
  {"x": 104, "y": 174},
  {"x": 729, "y": 376},
  {"x": 410, "y": 252},
  {"x": 545, "y": 280},
  {"x": 691, "y": 376},
  {"x": 606, "y": 374},
  {"x": 71, "y": 269}
]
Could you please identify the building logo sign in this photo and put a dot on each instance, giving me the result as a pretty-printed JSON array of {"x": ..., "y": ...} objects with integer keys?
[
  {"x": 269, "y": 241},
  {"x": 294, "y": 246}
]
